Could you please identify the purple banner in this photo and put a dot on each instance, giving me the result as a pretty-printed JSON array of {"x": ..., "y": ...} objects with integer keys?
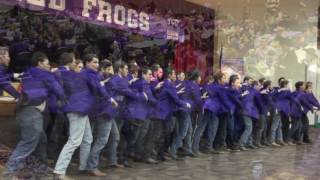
[{"x": 107, "y": 13}]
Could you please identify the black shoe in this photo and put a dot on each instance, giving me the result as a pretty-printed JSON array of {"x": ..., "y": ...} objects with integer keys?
[
  {"x": 126, "y": 164},
  {"x": 151, "y": 161},
  {"x": 242, "y": 148},
  {"x": 191, "y": 154},
  {"x": 161, "y": 158},
  {"x": 308, "y": 141}
]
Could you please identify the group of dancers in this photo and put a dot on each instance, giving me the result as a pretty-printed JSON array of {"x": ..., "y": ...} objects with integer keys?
[{"x": 149, "y": 114}]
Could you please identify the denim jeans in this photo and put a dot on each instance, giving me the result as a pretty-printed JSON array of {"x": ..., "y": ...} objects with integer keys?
[
  {"x": 305, "y": 128},
  {"x": 220, "y": 140},
  {"x": 275, "y": 126},
  {"x": 80, "y": 135},
  {"x": 102, "y": 127},
  {"x": 182, "y": 126},
  {"x": 285, "y": 120},
  {"x": 33, "y": 139},
  {"x": 230, "y": 130},
  {"x": 247, "y": 133},
  {"x": 258, "y": 129},
  {"x": 296, "y": 129},
  {"x": 113, "y": 143},
  {"x": 211, "y": 120}
]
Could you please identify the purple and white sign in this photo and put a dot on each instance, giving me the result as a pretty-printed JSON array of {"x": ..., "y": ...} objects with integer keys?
[{"x": 106, "y": 13}]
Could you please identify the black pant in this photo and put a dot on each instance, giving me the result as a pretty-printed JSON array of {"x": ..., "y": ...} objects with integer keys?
[
  {"x": 285, "y": 126},
  {"x": 258, "y": 128},
  {"x": 220, "y": 140},
  {"x": 305, "y": 128}
]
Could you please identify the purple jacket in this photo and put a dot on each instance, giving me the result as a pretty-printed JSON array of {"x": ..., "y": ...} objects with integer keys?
[
  {"x": 5, "y": 84},
  {"x": 140, "y": 109},
  {"x": 218, "y": 101},
  {"x": 167, "y": 101},
  {"x": 83, "y": 90},
  {"x": 192, "y": 95},
  {"x": 312, "y": 100},
  {"x": 299, "y": 104},
  {"x": 37, "y": 84},
  {"x": 251, "y": 102},
  {"x": 234, "y": 99},
  {"x": 283, "y": 99}
]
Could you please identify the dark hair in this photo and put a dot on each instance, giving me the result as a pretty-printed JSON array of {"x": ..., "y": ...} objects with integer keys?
[
  {"x": 281, "y": 79},
  {"x": 218, "y": 76},
  {"x": 266, "y": 83},
  {"x": 255, "y": 83},
  {"x": 155, "y": 67},
  {"x": 119, "y": 66},
  {"x": 105, "y": 64},
  {"x": 167, "y": 72},
  {"x": 209, "y": 78},
  {"x": 308, "y": 84},
  {"x": 38, "y": 57},
  {"x": 134, "y": 69},
  {"x": 193, "y": 75},
  {"x": 246, "y": 78},
  {"x": 262, "y": 80},
  {"x": 143, "y": 70},
  {"x": 283, "y": 83},
  {"x": 299, "y": 84},
  {"x": 89, "y": 57},
  {"x": 66, "y": 58},
  {"x": 233, "y": 79}
]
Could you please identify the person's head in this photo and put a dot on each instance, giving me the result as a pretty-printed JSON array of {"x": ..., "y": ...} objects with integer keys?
[
  {"x": 220, "y": 78},
  {"x": 255, "y": 84},
  {"x": 284, "y": 83},
  {"x": 106, "y": 67},
  {"x": 261, "y": 81},
  {"x": 181, "y": 76},
  {"x": 309, "y": 86},
  {"x": 281, "y": 79},
  {"x": 267, "y": 84},
  {"x": 68, "y": 59},
  {"x": 300, "y": 86},
  {"x": 79, "y": 65},
  {"x": 170, "y": 74},
  {"x": 194, "y": 76},
  {"x": 157, "y": 71},
  {"x": 40, "y": 60},
  {"x": 91, "y": 61},
  {"x": 4, "y": 56},
  {"x": 146, "y": 74},
  {"x": 134, "y": 71},
  {"x": 210, "y": 79},
  {"x": 234, "y": 81},
  {"x": 122, "y": 69},
  {"x": 247, "y": 80}
]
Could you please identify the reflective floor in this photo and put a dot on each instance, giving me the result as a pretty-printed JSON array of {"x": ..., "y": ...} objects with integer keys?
[{"x": 284, "y": 163}]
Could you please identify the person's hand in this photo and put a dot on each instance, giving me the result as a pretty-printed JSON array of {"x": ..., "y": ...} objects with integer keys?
[
  {"x": 114, "y": 103},
  {"x": 188, "y": 105},
  {"x": 145, "y": 96},
  {"x": 205, "y": 95},
  {"x": 245, "y": 93},
  {"x": 133, "y": 80},
  {"x": 159, "y": 85},
  {"x": 181, "y": 91}
]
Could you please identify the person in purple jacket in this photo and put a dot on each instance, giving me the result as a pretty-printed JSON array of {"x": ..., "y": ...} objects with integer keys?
[
  {"x": 82, "y": 90},
  {"x": 251, "y": 105},
  {"x": 298, "y": 106},
  {"x": 102, "y": 121},
  {"x": 305, "y": 120},
  {"x": 5, "y": 76},
  {"x": 37, "y": 83},
  {"x": 213, "y": 106}
]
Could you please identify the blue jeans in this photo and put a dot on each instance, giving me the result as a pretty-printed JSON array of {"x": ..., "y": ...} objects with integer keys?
[
  {"x": 258, "y": 129},
  {"x": 295, "y": 132},
  {"x": 80, "y": 135},
  {"x": 211, "y": 120},
  {"x": 182, "y": 126},
  {"x": 33, "y": 140},
  {"x": 247, "y": 133},
  {"x": 275, "y": 128},
  {"x": 230, "y": 130},
  {"x": 102, "y": 125},
  {"x": 113, "y": 143}
]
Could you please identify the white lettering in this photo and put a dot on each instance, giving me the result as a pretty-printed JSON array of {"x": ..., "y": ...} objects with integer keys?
[
  {"x": 133, "y": 18},
  {"x": 105, "y": 11},
  {"x": 120, "y": 12},
  {"x": 59, "y": 5},
  {"x": 144, "y": 21},
  {"x": 37, "y": 2},
  {"x": 87, "y": 5}
]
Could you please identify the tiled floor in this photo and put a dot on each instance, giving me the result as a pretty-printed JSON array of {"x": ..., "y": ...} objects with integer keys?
[{"x": 285, "y": 163}]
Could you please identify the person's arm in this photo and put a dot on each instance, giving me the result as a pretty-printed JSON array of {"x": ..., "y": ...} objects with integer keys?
[{"x": 5, "y": 84}]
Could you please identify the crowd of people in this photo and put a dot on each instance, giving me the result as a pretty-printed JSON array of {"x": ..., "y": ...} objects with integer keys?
[{"x": 147, "y": 114}]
